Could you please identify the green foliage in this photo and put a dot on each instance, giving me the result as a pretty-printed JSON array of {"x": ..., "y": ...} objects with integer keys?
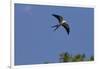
[
  {"x": 78, "y": 57},
  {"x": 66, "y": 57},
  {"x": 92, "y": 58}
]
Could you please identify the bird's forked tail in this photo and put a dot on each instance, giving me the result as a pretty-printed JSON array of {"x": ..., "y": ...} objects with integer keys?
[{"x": 57, "y": 26}]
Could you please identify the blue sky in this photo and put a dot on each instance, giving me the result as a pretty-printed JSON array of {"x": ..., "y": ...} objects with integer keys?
[{"x": 35, "y": 40}]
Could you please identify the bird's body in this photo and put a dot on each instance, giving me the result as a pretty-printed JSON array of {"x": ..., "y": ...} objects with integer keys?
[{"x": 62, "y": 23}]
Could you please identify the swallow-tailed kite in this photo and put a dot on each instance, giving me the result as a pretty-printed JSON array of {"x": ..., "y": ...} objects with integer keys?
[{"x": 62, "y": 23}]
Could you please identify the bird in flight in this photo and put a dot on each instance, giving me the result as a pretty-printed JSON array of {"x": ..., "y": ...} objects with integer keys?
[{"x": 62, "y": 23}]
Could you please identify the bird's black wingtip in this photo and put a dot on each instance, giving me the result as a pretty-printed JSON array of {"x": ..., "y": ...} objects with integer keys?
[
  {"x": 53, "y": 14},
  {"x": 68, "y": 33}
]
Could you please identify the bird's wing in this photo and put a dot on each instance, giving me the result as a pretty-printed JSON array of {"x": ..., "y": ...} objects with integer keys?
[
  {"x": 66, "y": 26},
  {"x": 60, "y": 18}
]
